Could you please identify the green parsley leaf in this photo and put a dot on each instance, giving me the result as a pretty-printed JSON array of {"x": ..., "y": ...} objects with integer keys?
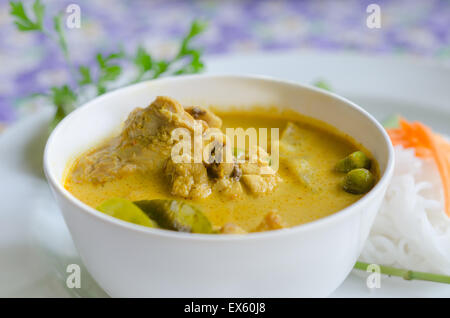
[
  {"x": 39, "y": 10},
  {"x": 196, "y": 28},
  {"x": 107, "y": 72},
  {"x": 160, "y": 68},
  {"x": 22, "y": 21},
  {"x": 194, "y": 64},
  {"x": 111, "y": 73},
  {"x": 86, "y": 77},
  {"x": 143, "y": 60}
]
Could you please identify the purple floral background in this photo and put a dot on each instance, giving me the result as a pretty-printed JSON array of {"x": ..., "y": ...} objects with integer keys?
[{"x": 30, "y": 63}]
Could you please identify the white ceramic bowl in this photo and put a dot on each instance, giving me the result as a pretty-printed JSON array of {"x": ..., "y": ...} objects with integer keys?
[{"x": 129, "y": 260}]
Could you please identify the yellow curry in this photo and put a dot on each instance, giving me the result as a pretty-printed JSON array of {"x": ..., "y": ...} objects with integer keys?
[{"x": 134, "y": 176}]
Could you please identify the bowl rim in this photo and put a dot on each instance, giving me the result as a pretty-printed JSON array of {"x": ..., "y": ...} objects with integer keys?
[{"x": 323, "y": 221}]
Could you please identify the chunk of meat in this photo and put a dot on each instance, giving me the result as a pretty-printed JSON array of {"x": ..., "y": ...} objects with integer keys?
[
  {"x": 192, "y": 180},
  {"x": 272, "y": 221},
  {"x": 188, "y": 180},
  {"x": 229, "y": 187},
  {"x": 205, "y": 115},
  {"x": 143, "y": 144},
  {"x": 156, "y": 121},
  {"x": 257, "y": 162},
  {"x": 257, "y": 175},
  {"x": 221, "y": 162},
  {"x": 103, "y": 165},
  {"x": 231, "y": 228},
  {"x": 256, "y": 168}
]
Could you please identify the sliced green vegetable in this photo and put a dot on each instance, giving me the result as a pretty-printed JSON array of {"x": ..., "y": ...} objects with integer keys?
[
  {"x": 292, "y": 138},
  {"x": 176, "y": 216},
  {"x": 127, "y": 211},
  {"x": 292, "y": 153},
  {"x": 358, "y": 181},
  {"x": 353, "y": 161}
]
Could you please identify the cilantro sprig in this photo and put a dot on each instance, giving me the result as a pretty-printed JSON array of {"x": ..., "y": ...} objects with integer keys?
[{"x": 108, "y": 68}]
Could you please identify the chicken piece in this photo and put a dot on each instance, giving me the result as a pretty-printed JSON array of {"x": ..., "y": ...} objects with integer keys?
[
  {"x": 188, "y": 180},
  {"x": 205, "y": 115},
  {"x": 272, "y": 221},
  {"x": 221, "y": 161},
  {"x": 156, "y": 121},
  {"x": 256, "y": 168},
  {"x": 257, "y": 162},
  {"x": 102, "y": 166},
  {"x": 144, "y": 143},
  {"x": 231, "y": 228},
  {"x": 229, "y": 187},
  {"x": 257, "y": 175}
]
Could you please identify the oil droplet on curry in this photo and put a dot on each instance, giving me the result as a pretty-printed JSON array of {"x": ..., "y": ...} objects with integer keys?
[{"x": 234, "y": 197}]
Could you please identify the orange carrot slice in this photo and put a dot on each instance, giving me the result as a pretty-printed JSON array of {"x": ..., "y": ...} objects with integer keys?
[{"x": 426, "y": 144}]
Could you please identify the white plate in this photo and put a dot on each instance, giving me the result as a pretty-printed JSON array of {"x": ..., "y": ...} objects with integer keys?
[{"x": 35, "y": 245}]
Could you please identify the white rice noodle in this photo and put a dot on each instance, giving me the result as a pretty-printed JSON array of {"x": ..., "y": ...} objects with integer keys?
[{"x": 411, "y": 230}]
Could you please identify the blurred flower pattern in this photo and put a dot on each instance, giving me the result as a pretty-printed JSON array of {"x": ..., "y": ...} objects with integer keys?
[{"x": 30, "y": 63}]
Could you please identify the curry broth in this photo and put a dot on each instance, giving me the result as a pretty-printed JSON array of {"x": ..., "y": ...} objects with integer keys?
[{"x": 295, "y": 203}]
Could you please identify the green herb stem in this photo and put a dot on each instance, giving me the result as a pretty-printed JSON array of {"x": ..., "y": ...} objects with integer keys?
[{"x": 406, "y": 274}]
